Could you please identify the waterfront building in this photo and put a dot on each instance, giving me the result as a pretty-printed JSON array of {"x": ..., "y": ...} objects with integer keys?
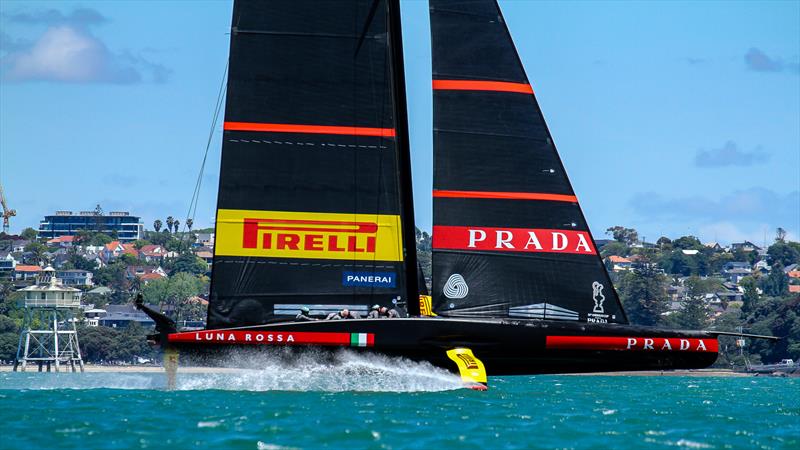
[{"x": 126, "y": 227}]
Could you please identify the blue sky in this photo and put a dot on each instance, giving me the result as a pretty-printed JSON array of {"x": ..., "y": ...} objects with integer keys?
[{"x": 671, "y": 117}]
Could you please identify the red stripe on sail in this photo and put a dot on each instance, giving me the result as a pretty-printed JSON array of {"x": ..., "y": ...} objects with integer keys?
[
  {"x": 474, "y": 85},
  {"x": 632, "y": 343},
  {"x": 522, "y": 240},
  {"x": 310, "y": 129},
  {"x": 266, "y": 338},
  {"x": 506, "y": 195}
]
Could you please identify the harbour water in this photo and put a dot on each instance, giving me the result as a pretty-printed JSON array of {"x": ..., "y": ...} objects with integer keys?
[{"x": 381, "y": 403}]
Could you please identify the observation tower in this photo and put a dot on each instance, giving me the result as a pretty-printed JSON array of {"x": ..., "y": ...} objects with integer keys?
[{"x": 48, "y": 335}]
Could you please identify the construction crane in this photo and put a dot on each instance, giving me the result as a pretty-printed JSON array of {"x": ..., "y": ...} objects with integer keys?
[{"x": 7, "y": 212}]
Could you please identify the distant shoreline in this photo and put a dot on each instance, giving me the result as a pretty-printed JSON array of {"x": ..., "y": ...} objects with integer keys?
[{"x": 722, "y": 373}]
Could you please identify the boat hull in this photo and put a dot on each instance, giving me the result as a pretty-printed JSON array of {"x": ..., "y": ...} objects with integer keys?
[{"x": 505, "y": 347}]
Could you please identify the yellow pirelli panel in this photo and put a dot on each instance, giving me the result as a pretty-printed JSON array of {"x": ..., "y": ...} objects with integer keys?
[{"x": 284, "y": 234}]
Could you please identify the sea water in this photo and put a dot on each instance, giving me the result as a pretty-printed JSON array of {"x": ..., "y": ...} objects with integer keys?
[{"x": 373, "y": 402}]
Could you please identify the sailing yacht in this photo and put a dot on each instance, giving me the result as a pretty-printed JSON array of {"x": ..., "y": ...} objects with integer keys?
[{"x": 315, "y": 204}]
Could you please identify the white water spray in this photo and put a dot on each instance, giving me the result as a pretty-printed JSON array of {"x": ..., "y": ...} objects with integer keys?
[
  {"x": 344, "y": 370},
  {"x": 341, "y": 371}
]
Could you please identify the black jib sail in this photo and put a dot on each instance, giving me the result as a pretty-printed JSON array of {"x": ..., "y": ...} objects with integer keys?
[
  {"x": 509, "y": 238},
  {"x": 311, "y": 210}
]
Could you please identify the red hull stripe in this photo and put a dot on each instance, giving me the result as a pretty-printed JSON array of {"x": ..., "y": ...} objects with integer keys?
[
  {"x": 524, "y": 240},
  {"x": 270, "y": 338},
  {"x": 505, "y": 195},
  {"x": 310, "y": 129},
  {"x": 632, "y": 343},
  {"x": 473, "y": 85}
]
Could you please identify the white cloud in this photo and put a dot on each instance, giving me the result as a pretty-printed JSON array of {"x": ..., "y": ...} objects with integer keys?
[
  {"x": 68, "y": 52},
  {"x": 64, "y": 53}
]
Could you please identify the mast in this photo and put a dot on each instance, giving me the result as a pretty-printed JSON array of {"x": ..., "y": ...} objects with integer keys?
[{"x": 404, "y": 156}]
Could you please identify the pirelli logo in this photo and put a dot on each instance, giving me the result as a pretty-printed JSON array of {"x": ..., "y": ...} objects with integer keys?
[{"x": 283, "y": 234}]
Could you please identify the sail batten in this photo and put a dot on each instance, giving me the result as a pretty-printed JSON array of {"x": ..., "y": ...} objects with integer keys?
[
  {"x": 482, "y": 85},
  {"x": 309, "y": 129}
]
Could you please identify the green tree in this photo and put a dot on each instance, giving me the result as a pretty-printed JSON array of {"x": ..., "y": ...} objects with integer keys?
[
  {"x": 38, "y": 253},
  {"x": 29, "y": 234},
  {"x": 643, "y": 293},
  {"x": 718, "y": 260},
  {"x": 138, "y": 244},
  {"x": 776, "y": 283},
  {"x": 101, "y": 239},
  {"x": 79, "y": 262},
  {"x": 750, "y": 298},
  {"x": 694, "y": 313},
  {"x": 664, "y": 243},
  {"x": 128, "y": 259},
  {"x": 677, "y": 263},
  {"x": 157, "y": 225},
  {"x": 156, "y": 292},
  {"x": 615, "y": 248},
  {"x": 170, "y": 221},
  {"x": 783, "y": 253},
  {"x": 190, "y": 263},
  {"x": 627, "y": 236},
  {"x": 688, "y": 243},
  {"x": 113, "y": 276}
]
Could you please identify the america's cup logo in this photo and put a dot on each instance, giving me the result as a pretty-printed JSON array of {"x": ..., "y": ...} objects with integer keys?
[
  {"x": 456, "y": 287},
  {"x": 598, "y": 297}
]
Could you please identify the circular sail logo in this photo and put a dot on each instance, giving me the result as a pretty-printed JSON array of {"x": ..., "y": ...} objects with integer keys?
[{"x": 456, "y": 287}]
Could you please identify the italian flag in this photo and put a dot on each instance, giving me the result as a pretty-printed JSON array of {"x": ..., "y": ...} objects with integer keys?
[{"x": 361, "y": 339}]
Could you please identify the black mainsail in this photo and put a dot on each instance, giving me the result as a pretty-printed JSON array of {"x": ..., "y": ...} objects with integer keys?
[
  {"x": 311, "y": 209},
  {"x": 509, "y": 238}
]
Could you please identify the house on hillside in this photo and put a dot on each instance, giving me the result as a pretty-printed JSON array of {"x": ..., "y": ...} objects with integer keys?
[
  {"x": 618, "y": 263},
  {"x": 62, "y": 241},
  {"x": 19, "y": 246},
  {"x": 153, "y": 253},
  {"x": 148, "y": 277},
  {"x": 25, "y": 272},
  {"x": 205, "y": 239},
  {"x": 75, "y": 277},
  {"x": 206, "y": 255},
  {"x": 745, "y": 246},
  {"x": 7, "y": 265},
  {"x": 713, "y": 246},
  {"x": 792, "y": 271},
  {"x": 120, "y": 316},
  {"x": 112, "y": 250},
  {"x": 762, "y": 267},
  {"x": 132, "y": 272}
]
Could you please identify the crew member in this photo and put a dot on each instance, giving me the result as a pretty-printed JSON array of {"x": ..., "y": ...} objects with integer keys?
[
  {"x": 387, "y": 313},
  {"x": 303, "y": 315},
  {"x": 343, "y": 315},
  {"x": 375, "y": 313}
]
